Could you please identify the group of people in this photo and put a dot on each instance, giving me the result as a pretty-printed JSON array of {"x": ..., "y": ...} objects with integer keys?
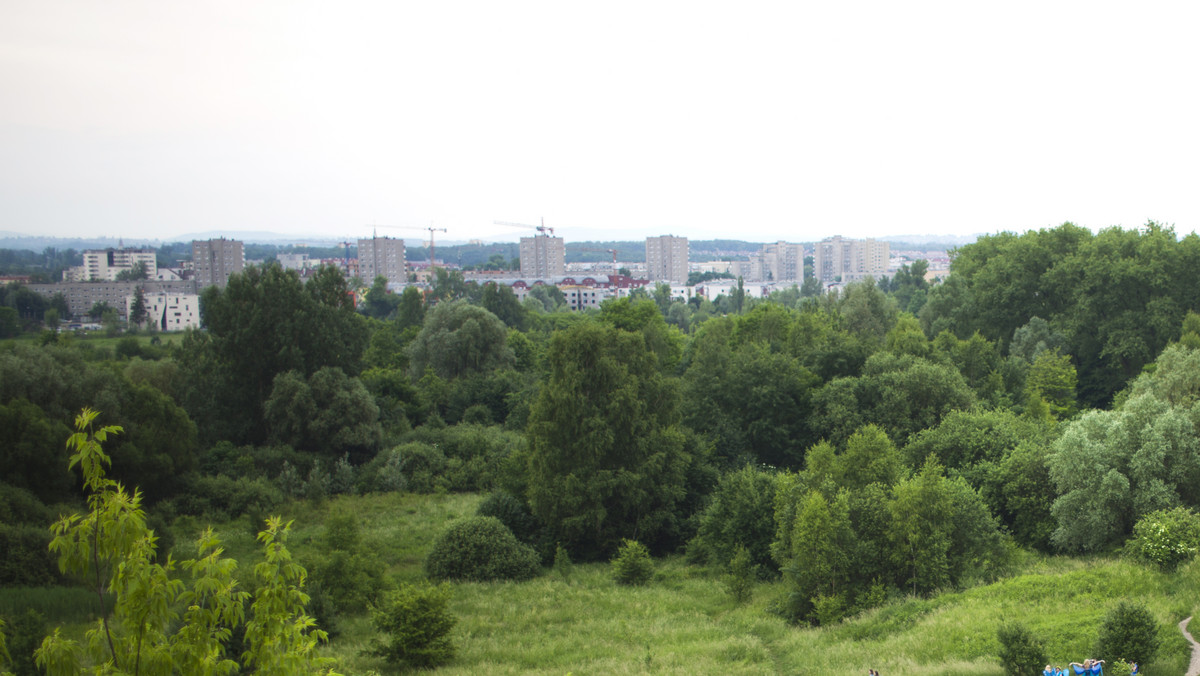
[{"x": 1089, "y": 667}]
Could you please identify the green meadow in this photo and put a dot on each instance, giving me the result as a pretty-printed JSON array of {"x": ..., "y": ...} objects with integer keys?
[{"x": 684, "y": 622}]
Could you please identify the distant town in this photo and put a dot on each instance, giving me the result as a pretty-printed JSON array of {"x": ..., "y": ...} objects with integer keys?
[{"x": 119, "y": 277}]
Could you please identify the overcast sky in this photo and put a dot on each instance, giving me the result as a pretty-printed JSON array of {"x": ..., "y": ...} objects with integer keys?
[{"x": 759, "y": 121}]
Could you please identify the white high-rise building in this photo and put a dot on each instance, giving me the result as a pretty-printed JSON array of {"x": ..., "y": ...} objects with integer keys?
[
  {"x": 382, "y": 257},
  {"x": 846, "y": 260},
  {"x": 103, "y": 265},
  {"x": 667, "y": 258},
  {"x": 543, "y": 256},
  {"x": 216, "y": 259}
]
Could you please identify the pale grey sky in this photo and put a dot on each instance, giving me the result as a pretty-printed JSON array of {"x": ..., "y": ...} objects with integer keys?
[{"x": 760, "y": 121}]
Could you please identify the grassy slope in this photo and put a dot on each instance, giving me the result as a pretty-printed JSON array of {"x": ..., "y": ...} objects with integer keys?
[{"x": 684, "y": 623}]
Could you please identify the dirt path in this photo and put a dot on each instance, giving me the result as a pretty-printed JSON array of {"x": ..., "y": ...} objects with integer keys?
[{"x": 1194, "y": 667}]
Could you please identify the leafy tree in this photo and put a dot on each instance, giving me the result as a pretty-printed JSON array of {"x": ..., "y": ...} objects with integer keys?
[
  {"x": 1129, "y": 632},
  {"x": 1034, "y": 338},
  {"x": 329, "y": 413},
  {"x": 819, "y": 564},
  {"x": 411, "y": 310},
  {"x": 1021, "y": 653},
  {"x": 500, "y": 300},
  {"x": 263, "y": 323},
  {"x": 416, "y": 623},
  {"x": 739, "y": 578},
  {"x": 733, "y": 520},
  {"x": 134, "y": 273},
  {"x": 378, "y": 302},
  {"x": 112, "y": 549},
  {"x": 457, "y": 339},
  {"x": 10, "y": 322},
  {"x": 606, "y": 457},
  {"x": 1053, "y": 378}
]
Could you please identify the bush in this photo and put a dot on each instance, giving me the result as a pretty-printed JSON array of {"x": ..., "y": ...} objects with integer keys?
[
  {"x": 416, "y": 624},
  {"x": 1021, "y": 653},
  {"x": 632, "y": 565},
  {"x": 562, "y": 563},
  {"x": 511, "y": 512},
  {"x": 1165, "y": 538},
  {"x": 739, "y": 581},
  {"x": 478, "y": 549},
  {"x": 1129, "y": 632},
  {"x": 351, "y": 574},
  {"x": 27, "y": 561},
  {"x": 422, "y": 465}
]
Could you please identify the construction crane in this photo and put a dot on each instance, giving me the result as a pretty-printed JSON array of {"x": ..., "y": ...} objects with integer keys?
[
  {"x": 543, "y": 228},
  {"x": 431, "y": 229}
]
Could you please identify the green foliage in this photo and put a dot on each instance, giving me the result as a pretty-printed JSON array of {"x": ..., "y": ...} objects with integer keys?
[
  {"x": 1052, "y": 377},
  {"x": 458, "y": 338},
  {"x": 607, "y": 459},
  {"x": 350, "y": 573},
  {"x": 264, "y": 323},
  {"x": 1129, "y": 632},
  {"x": 562, "y": 563},
  {"x": 740, "y": 576},
  {"x": 632, "y": 565},
  {"x": 26, "y": 560},
  {"x": 111, "y": 548},
  {"x": 734, "y": 519},
  {"x": 329, "y": 413},
  {"x": 479, "y": 549},
  {"x": 1166, "y": 538},
  {"x": 511, "y": 512},
  {"x": 416, "y": 625},
  {"x": 1021, "y": 653}
]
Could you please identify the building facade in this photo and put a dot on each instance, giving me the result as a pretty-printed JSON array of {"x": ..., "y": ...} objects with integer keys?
[
  {"x": 103, "y": 265},
  {"x": 667, "y": 258},
  {"x": 543, "y": 256},
  {"x": 846, "y": 260},
  {"x": 382, "y": 257},
  {"x": 214, "y": 260},
  {"x": 83, "y": 296},
  {"x": 168, "y": 311}
]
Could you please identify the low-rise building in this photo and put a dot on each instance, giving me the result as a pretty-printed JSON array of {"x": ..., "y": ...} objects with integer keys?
[{"x": 168, "y": 311}]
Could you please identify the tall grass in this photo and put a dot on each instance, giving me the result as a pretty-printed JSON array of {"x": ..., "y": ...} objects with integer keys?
[{"x": 66, "y": 605}]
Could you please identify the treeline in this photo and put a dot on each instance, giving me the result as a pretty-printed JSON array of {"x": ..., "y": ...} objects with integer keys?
[{"x": 885, "y": 438}]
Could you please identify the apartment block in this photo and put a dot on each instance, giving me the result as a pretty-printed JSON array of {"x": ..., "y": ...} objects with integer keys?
[
  {"x": 168, "y": 311},
  {"x": 846, "y": 260},
  {"x": 667, "y": 258},
  {"x": 103, "y": 265},
  {"x": 382, "y": 257},
  {"x": 543, "y": 256},
  {"x": 778, "y": 262},
  {"x": 214, "y": 260}
]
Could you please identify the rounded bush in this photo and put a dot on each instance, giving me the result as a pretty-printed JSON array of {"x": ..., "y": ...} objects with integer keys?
[
  {"x": 1021, "y": 653},
  {"x": 511, "y": 512},
  {"x": 478, "y": 549},
  {"x": 1166, "y": 538}
]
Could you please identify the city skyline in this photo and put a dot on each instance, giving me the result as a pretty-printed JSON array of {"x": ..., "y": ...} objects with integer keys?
[{"x": 776, "y": 122}]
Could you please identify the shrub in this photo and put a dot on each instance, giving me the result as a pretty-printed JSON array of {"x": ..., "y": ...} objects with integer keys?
[
  {"x": 416, "y": 624},
  {"x": 422, "y": 465},
  {"x": 1165, "y": 538},
  {"x": 739, "y": 581},
  {"x": 511, "y": 512},
  {"x": 562, "y": 563},
  {"x": 27, "y": 561},
  {"x": 1021, "y": 653},
  {"x": 632, "y": 565},
  {"x": 478, "y": 549},
  {"x": 1129, "y": 632},
  {"x": 734, "y": 518}
]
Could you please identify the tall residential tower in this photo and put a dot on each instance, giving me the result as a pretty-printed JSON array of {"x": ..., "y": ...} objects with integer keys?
[
  {"x": 215, "y": 259},
  {"x": 667, "y": 259},
  {"x": 382, "y": 257},
  {"x": 543, "y": 256}
]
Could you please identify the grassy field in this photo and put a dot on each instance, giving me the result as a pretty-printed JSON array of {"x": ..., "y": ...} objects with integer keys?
[{"x": 685, "y": 623}]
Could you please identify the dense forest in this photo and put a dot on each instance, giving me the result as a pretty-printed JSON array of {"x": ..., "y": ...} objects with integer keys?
[{"x": 887, "y": 440}]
